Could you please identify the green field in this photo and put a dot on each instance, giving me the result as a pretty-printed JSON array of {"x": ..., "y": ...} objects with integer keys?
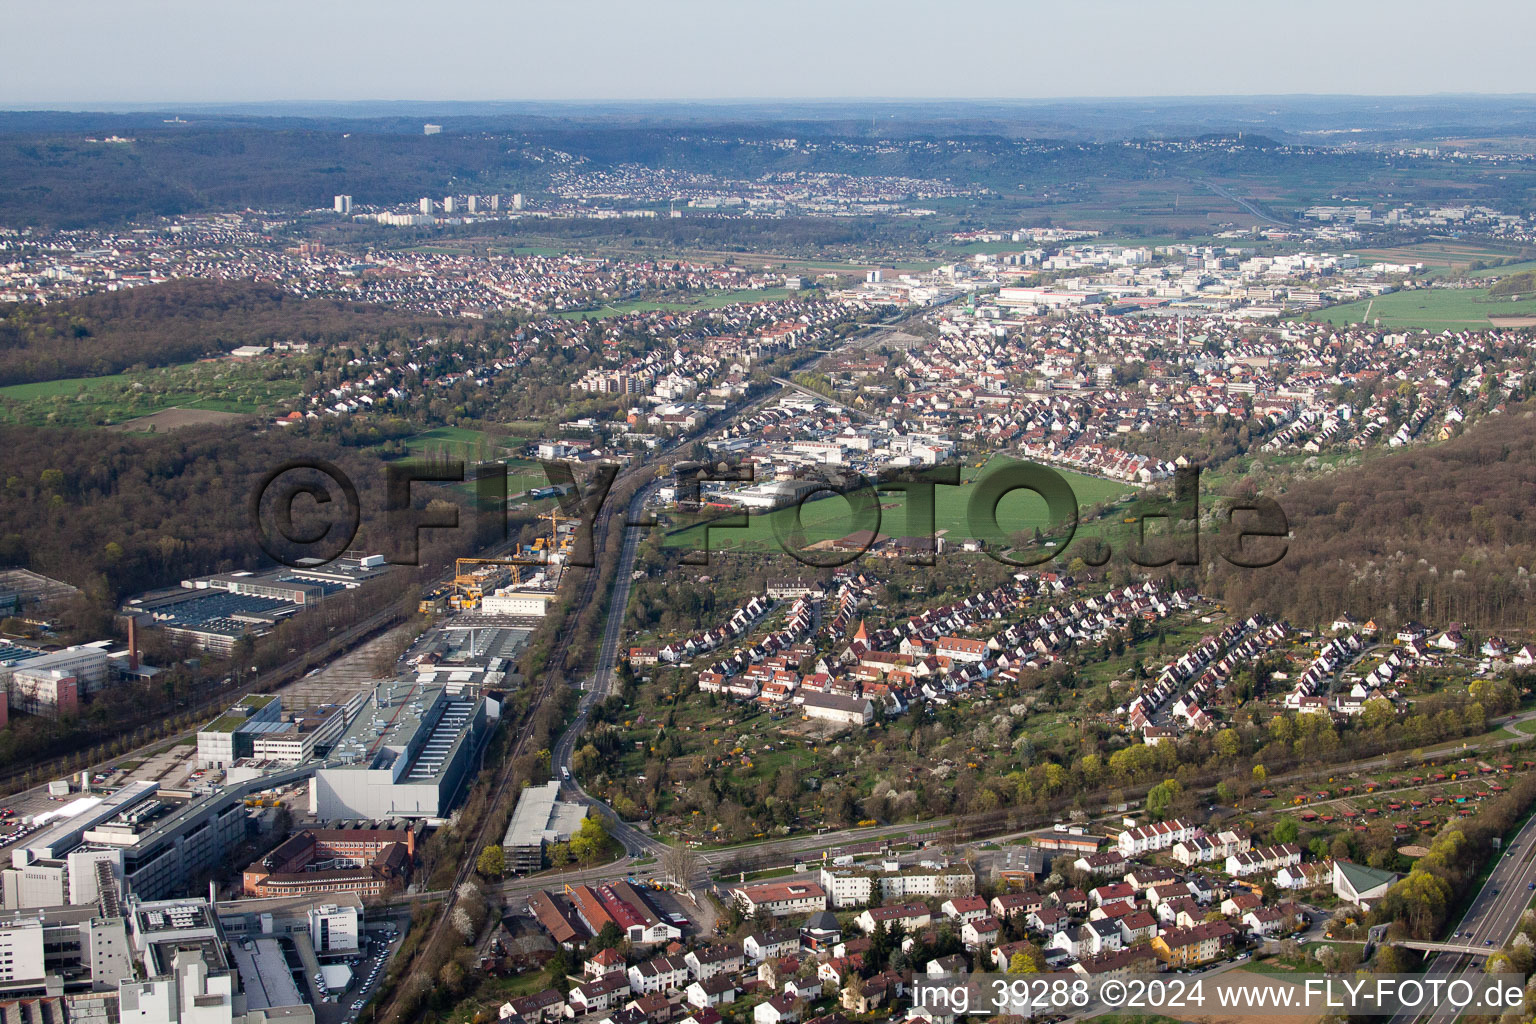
[
  {"x": 472, "y": 446},
  {"x": 217, "y": 385},
  {"x": 1505, "y": 271},
  {"x": 709, "y": 300},
  {"x": 1429, "y": 308},
  {"x": 833, "y": 517},
  {"x": 70, "y": 386},
  {"x": 460, "y": 442}
]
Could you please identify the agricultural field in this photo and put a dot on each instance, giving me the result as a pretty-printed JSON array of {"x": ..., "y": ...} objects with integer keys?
[
  {"x": 828, "y": 519},
  {"x": 1434, "y": 309},
  {"x": 1439, "y": 258},
  {"x": 119, "y": 400},
  {"x": 1506, "y": 270}
]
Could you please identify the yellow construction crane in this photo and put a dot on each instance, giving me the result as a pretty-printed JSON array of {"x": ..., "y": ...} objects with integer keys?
[
  {"x": 469, "y": 586},
  {"x": 554, "y": 515}
]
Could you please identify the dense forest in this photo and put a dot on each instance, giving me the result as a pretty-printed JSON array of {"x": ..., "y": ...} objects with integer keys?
[
  {"x": 115, "y": 513},
  {"x": 1439, "y": 534},
  {"x": 65, "y": 180},
  {"x": 59, "y": 177},
  {"x": 176, "y": 322}
]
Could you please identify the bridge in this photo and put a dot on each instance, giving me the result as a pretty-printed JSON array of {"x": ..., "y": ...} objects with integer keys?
[
  {"x": 834, "y": 403},
  {"x": 1464, "y": 948}
]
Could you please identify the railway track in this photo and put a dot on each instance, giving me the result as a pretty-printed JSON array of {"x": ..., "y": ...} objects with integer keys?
[{"x": 553, "y": 678}]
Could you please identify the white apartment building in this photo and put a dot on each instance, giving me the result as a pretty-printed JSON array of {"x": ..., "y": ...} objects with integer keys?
[{"x": 853, "y": 887}]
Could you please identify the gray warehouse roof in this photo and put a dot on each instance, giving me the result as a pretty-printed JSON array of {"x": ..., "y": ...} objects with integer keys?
[{"x": 541, "y": 816}]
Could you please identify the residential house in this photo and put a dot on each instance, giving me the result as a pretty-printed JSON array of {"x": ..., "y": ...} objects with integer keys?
[{"x": 1190, "y": 947}]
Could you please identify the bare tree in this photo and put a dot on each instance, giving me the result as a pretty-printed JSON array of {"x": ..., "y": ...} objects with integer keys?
[{"x": 680, "y": 863}]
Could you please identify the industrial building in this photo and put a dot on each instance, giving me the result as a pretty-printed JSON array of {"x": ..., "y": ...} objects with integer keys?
[
  {"x": 531, "y": 601},
  {"x": 334, "y": 928},
  {"x": 190, "y": 974},
  {"x": 75, "y": 879},
  {"x": 23, "y": 591},
  {"x": 466, "y": 654},
  {"x": 232, "y": 735},
  {"x": 165, "y": 962},
  {"x": 290, "y": 917},
  {"x": 214, "y": 612},
  {"x": 256, "y": 729},
  {"x": 365, "y": 861},
  {"x": 164, "y": 842},
  {"x": 409, "y": 753},
  {"x": 62, "y": 948},
  {"x": 53, "y": 684},
  {"x": 541, "y": 818}
]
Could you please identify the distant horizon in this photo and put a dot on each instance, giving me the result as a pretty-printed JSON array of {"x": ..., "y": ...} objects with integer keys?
[
  {"x": 156, "y": 106},
  {"x": 173, "y": 52}
]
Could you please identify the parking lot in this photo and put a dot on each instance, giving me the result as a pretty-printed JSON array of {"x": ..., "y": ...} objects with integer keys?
[{"x": 383, "y": 937}]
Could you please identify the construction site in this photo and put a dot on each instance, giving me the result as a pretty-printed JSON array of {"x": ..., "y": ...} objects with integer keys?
[{"x": 520, "y": 586}]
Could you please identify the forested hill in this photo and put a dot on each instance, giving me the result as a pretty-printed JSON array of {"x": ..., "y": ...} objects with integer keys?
[
  {"x": 172, "y": 323},
  {"x": 60, "y": 173},
  {"x": 1439, "y": 534}
]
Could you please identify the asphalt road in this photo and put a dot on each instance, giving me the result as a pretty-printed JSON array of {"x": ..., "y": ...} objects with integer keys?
[
  {"x": 636, "y": 843},
  {"x": 1490, "y": 920}
]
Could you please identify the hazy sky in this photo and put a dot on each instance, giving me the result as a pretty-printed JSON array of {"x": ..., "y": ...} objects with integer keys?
[{"x": 80, "y": 52}]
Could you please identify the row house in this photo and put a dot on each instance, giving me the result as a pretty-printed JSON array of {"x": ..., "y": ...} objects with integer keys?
[
  {"x": 1048, "y": 920},
  {"x": 1159, "y": 835},
  {"x": 1268, "y": 922},
  {"x": 1185, "y": 912},
  {"x": 1305, "y": 876},
  {"x": 964, "y": 908},
  {"x": 1266, "y": 859},
  {"x": 603, "y": 993},
  {"x": 1202, "y": 848},
  {"x": 771, "y": 944},
  {"x": 715, "y": 991},
  {"x": 1007, "y": 905},
  {"x": 660, "y": 974},
  {"x": 1115, "y": 892},
  {"x": 980, "y": 932},
  {"x": 538, "y": 1008}
]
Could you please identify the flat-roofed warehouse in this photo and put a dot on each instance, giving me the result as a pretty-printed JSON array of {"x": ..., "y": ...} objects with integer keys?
[
  {"x": 409, "y": 753},
  {"x": 541, "y": 817}
]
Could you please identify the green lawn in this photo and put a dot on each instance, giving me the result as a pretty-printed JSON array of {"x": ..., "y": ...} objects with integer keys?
[
  {"x": 1432, "y": 308},
  {"x": 219, "y": 385},
  {"x": 68, "y": 386},
  {"x": 833, "y": 517}
]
